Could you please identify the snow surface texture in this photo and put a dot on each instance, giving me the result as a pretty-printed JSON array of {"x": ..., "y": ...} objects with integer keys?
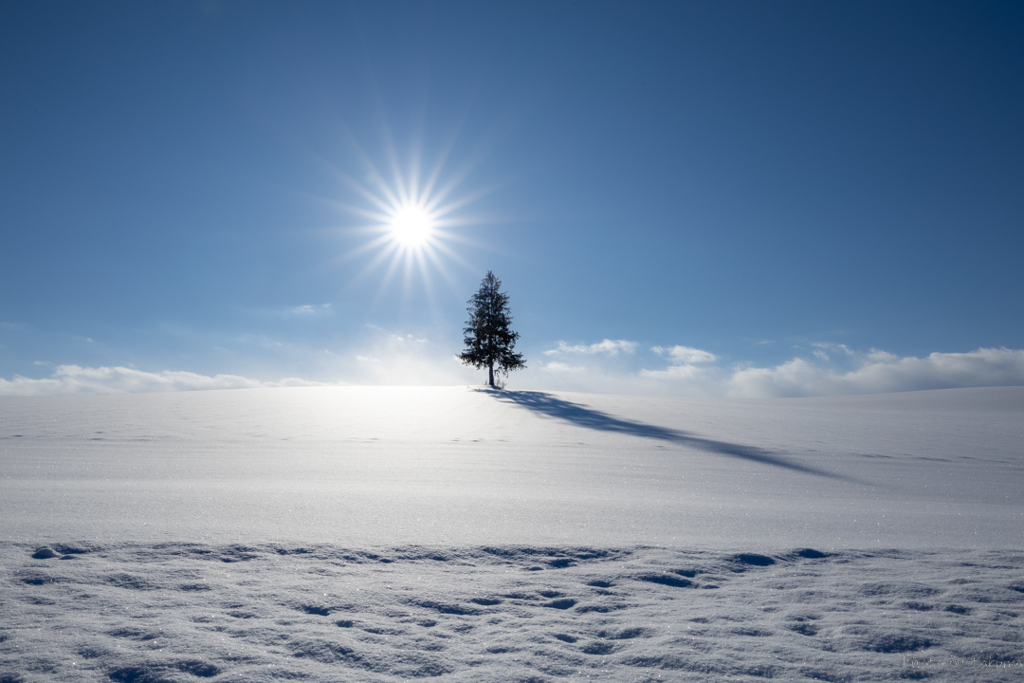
[
  {"x": 461, "y": 534},
  {"x": 185, "y": 612}
]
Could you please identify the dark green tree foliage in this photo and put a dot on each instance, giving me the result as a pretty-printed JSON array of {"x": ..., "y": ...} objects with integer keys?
[{"x": 489, "y": 338}]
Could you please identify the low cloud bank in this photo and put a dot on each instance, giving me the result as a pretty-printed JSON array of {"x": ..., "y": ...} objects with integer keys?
[
  {"x": 379, "y": 357},
  {"x": 828, "y": 370},
  {"x": 72, "y": 379},
  {"x": 880, "y": 372},
  {"x": 606, "y": 367}
]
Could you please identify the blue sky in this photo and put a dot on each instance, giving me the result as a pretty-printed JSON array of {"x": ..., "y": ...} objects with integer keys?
[{"x": 739, "y": 198}]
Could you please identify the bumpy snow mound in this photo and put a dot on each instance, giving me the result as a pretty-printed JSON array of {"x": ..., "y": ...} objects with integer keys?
[{"x": 184, "y": 612}]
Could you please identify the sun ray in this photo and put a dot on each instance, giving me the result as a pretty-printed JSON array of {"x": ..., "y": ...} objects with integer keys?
[{"x": 442, "y": 159}]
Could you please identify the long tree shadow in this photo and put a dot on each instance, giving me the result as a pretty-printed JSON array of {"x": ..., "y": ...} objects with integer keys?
[{"x": 582, "y": 416}]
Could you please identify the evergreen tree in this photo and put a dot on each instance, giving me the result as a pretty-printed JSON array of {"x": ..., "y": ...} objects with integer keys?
[{"x": 489, "y": 338}]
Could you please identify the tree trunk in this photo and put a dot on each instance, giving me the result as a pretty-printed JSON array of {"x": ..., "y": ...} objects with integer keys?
[{"x": 490, "y": 374}]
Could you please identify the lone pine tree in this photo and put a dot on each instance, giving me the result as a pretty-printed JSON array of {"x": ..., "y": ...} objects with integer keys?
[{"x": 489, "y": 338}]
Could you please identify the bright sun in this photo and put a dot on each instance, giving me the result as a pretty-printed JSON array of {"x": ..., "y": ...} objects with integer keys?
[
  {"x": 411, "y": 226},
  {"x": 413, "y": 221}
]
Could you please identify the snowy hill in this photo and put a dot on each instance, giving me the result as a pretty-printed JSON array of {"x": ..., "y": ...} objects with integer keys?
[
  {"x": 453, "y": 465},
  {"x": 465, "y": 534}
]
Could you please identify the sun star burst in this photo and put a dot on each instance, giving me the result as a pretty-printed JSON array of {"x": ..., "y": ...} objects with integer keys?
[
  {"x": 410, "y": 223},
  {"x": 411, "y": 226}
]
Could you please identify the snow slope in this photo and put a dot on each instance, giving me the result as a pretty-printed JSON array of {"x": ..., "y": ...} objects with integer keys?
[
  {"x": 463, "y": 534},
  {"x": 458, "y": 466}
]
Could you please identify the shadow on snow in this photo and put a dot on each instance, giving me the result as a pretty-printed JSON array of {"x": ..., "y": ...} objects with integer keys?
[{"x": 582, "y": 416}]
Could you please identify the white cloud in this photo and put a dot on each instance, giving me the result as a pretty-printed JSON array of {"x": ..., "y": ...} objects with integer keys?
[
  {"x": 386, "y": 360},
  {"x": 610, "y": 347},
  {"x": 688, "y": 366},
  {"x": 685, "y": 354},
  {"x": 820, "y": 369},
  {"x": 72, "y": 379},
  {"x": 823, "y": 347},
  {"x": 678, "y": 372},
  {"x": 881, "y": 372},
  {"x": 562, "y": 367}
]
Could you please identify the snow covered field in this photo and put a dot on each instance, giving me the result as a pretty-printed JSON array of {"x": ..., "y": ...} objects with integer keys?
[{"x": 462, "y": 534}]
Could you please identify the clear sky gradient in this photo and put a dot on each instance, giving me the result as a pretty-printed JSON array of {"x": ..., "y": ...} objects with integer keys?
[{"x": 740, "y": 198}]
